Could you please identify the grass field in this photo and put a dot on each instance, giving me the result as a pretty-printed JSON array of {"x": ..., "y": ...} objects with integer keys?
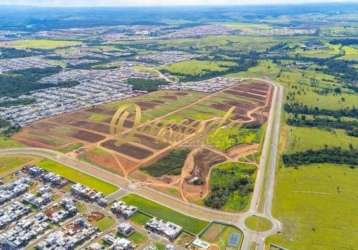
[
  {"x": 302, "y": 138},
  {"x": 169, "y": 165},
  {"x": 42, "y": 44},
  {"x": 188, "y": 223},
  {"x": 317, "y": 206},
  {"x": 137, "y": 238},
  {"x": 6, "y": 142},
  {"x": 8, "y": 163},
  {"x": 258, "y": 223},
  {"x": 264, "y": 68},
  {"x": 76, "y": 176},
  {"x": 229, "y": 42},
  {"x": 197, "y": 68},
  {"x": 224, "y": 179},
  {"x": 140, "y": 218},
  {"x": 105, "y": 223},
  {"x": 225, "y": 138}
]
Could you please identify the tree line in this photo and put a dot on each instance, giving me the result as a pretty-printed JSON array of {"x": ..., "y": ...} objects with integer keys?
[
  {"x": 298, "y": 108},
  {"x": 351, "y": 127},
  {"x": 335, "y": 155}
]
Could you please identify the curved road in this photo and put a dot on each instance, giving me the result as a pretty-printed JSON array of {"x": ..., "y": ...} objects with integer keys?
[{"x": 262, "y": 195}]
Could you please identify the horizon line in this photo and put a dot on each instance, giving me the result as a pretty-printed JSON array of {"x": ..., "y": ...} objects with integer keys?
[{"x": 178, "y": 5}]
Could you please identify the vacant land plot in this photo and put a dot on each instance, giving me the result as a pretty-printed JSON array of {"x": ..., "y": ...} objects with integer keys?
[
  {"x": 317, "y": 206},
  {"x": 42, "y": 44},
  {"x": 127, "y": 149},
  {"x": 6, "y": 142},
  {"x": 86, "y": 136},
  {"x": 204, "y": 160},
  {"x": 9, "y": 163},
  {"x": 226, "y": 138},
  {"x": 225, "y": 192},
  {"x": 76, "y": 176},
  {"x": 169, "y": 165},
  {"x": 197, "y": 68},
  {"x": 189, "y": 224},
  {"x": 104, "y": 159},
  {"x": 301, "y": 139}
]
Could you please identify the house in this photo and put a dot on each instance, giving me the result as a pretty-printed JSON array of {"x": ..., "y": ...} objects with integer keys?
[
  {"x": 120, "y": 208},
  {"x": 167, "y": 229},
  {"x": 125, "y": 229}
]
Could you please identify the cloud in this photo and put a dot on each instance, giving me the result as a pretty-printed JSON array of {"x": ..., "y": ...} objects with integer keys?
[{"x": 97, "y": 3}]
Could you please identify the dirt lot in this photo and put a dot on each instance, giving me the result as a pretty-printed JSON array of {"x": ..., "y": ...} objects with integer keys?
[
  {"x": 97, "y": 127},
  {"x": 203, "y": 161},
  {"x": 95, "y": 216},
  {"x": 145, "y": 105},
  {"x": 86, "y": 136},
  {"x": 150, "y": 141},
  {"x": 127, "y": 149},
  {"x": 104, "y": 160}
]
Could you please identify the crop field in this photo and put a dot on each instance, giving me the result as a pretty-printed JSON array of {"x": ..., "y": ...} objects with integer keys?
[
  {"x": 76, "y": 176},
  {"x": 314, "y": 203},
  {"x": 151, "y": 208},
  {"x": 42, "y": 44}
]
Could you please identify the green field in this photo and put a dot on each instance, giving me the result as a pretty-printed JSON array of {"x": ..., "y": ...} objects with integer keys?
[
  {"x": 149, "y": 207},
  {"x": 168, "y": 165},
  {"x": 302, "y": 138},
  {"x": 264, "y": 68},
  {"x": 105, "y": 223},
  {"x": 6, "y": 142},
  {"x": 257, "y": 223},
  {"x": 8, "y": 163},
  {"x": 140, "y": 218},
  {"x": 137, "y": 238},
  {"x": 197, "y": 68},
  {"x": 42, "y": 44},
  {"x": 77, "y": 176},
  {"x": 231, "y": 185},
  {"x": 226, "y": 138},
  {"x": 317, "y": 207}
]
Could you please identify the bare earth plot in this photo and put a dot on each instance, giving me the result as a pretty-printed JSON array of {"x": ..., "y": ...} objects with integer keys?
[{"x": 168, "y": 120}]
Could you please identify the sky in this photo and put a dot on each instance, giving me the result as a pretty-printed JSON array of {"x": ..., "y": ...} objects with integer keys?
[{"x": 96, "y": 3}]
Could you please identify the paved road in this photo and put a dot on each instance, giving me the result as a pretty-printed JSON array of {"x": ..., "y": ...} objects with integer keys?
[
  {"x": 264, "y": 185},
  {"x": 126, "y": 185},
  {"x": 265, "y": 180}
]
